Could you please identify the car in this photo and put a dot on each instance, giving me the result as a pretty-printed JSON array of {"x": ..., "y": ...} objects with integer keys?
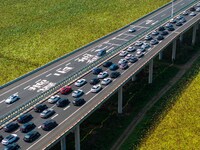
[
  {"x": 128, "y": 57},
  {"x": 27, "y": 127},
  {"x": 148, "y": 37},
  {"x": 123, "y": 66},
  {"x": 198, "y": 5},
  {"x": 161, "y": 28},
  {"x": 62, "y": 102},
  {"x": 168, "y": 25},
  {"x": 96, "y": 71},
  {"x": 106, "y": 81},
  {"x": 121, "y": 61},
  {"x": 192, "y": 14},
  {"x": 49, "y": 125},
  {"x": 155, "y": 32},
  {"x": 12, "y": 126},
  {"x": 47, "y": 113},
  {"x": 133, "y": 59},
  {"x": 131, "y": 49},
  {"x": 10, "y": 139},
  {"x": 198, "y": 9},
  {"x": 12, "y": 99},
  {"x": 154, "y": 42},
  {"x": 192, "y": 9},
  {"x": 183, "y": 20},
  {"x": 102, "y": 75},
  {"x": 123, "y": 53},
  {"x": 115, "y": 74},
  {"x": 145, "y": 46},
  {"x": 171, "y": 29},
  {"x": 31, "y": 136},
  {"x": 1, "y": 138},
  {"x": 94, "y": 81},
  {"x": 13, "y": 146},
  {"x": 78, "y": 101},
  {"x": 113, "y": 67},
  {"x": 185, "y": 13},
  {"x": 77, "y": 93},
  {"x": 24, "y": 118},
  {"x": 131, "y": 30},
  {"x": 138, "y": 43},
  {"x": 179, "y": 17},
  {"x": 107, "y": 64},
  {"x": 53, "y": 99},
  {"x": 40, "y": 107},
  {"x": 96, "y": 88},
  {"x": 80, "y": 82},
  {"x": 160, "y": 37},
  {"x": 173, "y": 20},
  {"x": 101, "y": 52},
  {"x": 65, "y": 90},
  {"x": 139, "y": 54},
  {"x": 141, "y": 49},
  {"x": 164, "y": 33},
  {"x": 179, "y": 23}
]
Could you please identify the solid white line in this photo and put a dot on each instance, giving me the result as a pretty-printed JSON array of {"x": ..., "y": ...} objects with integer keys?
[
  {"x": 140, "y": 27},
  {"x": 87, "y": 92},
  {"x": 39, "y": 127},
  {"x": 121, "y": 39},
  {"x": 27, "y": 87},
  {"x": 38, "y": 81},
  {"x": 56, "y": 74},
  {"x": 48, "y": 75},
  {"x": 9, "y": 105},
  {"x": 66, "y": 107},
  {"x": 16, "y": 130},
  {"x": 52, "y": 106},
  {"x": 54, "y": 116},
  {"x": 2, "y": 101}
]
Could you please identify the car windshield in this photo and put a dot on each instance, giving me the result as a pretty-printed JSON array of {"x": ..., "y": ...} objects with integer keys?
[{"x": 9, "y": 137}]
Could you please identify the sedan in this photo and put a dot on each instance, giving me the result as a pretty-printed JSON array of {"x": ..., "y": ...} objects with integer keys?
[
  {"x": 101, "y": 52},
  {"x": 198, "y": 9},
  {"x": 138, "y": 43},
  {"x": 168, "y": 25},
  {"x": 185, "y": 13},
  {"x": 11, "y": 127},
  {"x": 47, "y": 113},
  {"x": 40, "y": 107},
  {"x": 65, "y": 90},
  {"x": 53, "y": 99},
  {"x": 153, "y": 42},
  {"x": 131, "y": 30},
  {"x": 102, "y": 75},
  {"x": 80, "y": 82},
  {"x": 164, "y": 33},
  {"x": 183, "y": 20},
  {"x": 62, "y": 102},
  {"x": 94, "y": 81},
  {"x": 12, "y": 99},
  {"x": 25, "y": 118},
  {"x": 106, "y": 81},
  {"x": 179, "y": 17},
  {"x": 128, "y": 57},
  {"x": 122, "y": 61},
  {"x": 113, "y": 67},
  {"x": 27, "y": 127},
  {"x": 107, "y": 64},
  {"x": 77, "y": 93},
  {"x": 148, "y": 37},
  {"x": 192, "y": 14},
  {"x": 155, "y": 33},
  {"x": 96, "y": 88},
  {"x": 115, "y": 74},
  {"x": 160, "y": 37},
  {"x": 96, "y": 71},
  {"x": 171, "y": 29},
  {"x": 123, "y": 53},
  {"x": 172, "y": 20},
  {"x": 133, "y": 59},
  {"x": 49, "y": 125},
  {"x": 139, "y": 54},
  {"x": 198, "y": 5},
  {"x": 31, "y": 136},
  {"x": 192, "y": 9},
  {"x": 145, "y": 46},
  {"x": 78, "y": 102},
  {"x": 10, "y": 139},
  {"x": 161, "y": 28},
  {"x": 131, "y": 49},
  {"x": 179, "y": 24},
  {"x": 123, "y": 66},
  {"x": 12, "y": 146},
  {"x": 142, "y": 49}
]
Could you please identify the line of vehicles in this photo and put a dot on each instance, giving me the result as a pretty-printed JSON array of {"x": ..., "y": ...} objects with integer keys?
[{"x": 127, "y": 57}]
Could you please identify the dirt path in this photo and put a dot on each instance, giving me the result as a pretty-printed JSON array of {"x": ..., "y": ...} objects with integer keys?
[{"x": 184, "y": 68}]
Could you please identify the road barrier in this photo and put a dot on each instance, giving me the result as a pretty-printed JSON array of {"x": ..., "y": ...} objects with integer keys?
[{"x": 27, "y": 105}]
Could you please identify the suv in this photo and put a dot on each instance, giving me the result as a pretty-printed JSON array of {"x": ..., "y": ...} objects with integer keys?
[
  {"x": 62, "y": 102},
  {"x": 78, "y": 102},
  {"x": 48, "y": 125},
  {"x": 11, "y": 127},
  {"x": 40, "y": 107},
  {"x": 27, "y": 127},
  {"x": 31, "y": 136},
  {"x": 25, "y": 118}
]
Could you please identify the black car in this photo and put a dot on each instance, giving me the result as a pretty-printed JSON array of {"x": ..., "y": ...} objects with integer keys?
[
  {"x": 31, "y": 136},
  {"x": 11, "y": 127},
  {"x": 25, "y": 118},
  {"x": 40, "y": 107},
  {"x": 94, "y": 81},
  {"x": 27, "y": 127},
  {"x": 49, "y": 125},
  {"x": 170, "y": 29},
  {"x": 62, "y": 102},
  {"x": 96, "y": 71},
  {"x": 113, "y": 67},
  {"x": 115, "y": 74},
  {"x": 164, "y": 33},
  {"x": 107, "y": 64},
  {"x": 1, "y": 138},
  {"x": 161, "y": 28},
  {"x": 192, "y": 9},
  {"x": 78, "y": 102},
  {"x": 13, "y": 146},
  {"x": 160, "y": 37},
  {"x": 179, "y": 24}
]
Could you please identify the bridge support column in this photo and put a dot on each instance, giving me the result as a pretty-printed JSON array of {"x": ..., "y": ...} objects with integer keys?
[
  {"x": 194, "y": 34},
  {"x": 120, "y": 99},
  {"x": 160, "y": 55},
  {"x": 151, "y": 71},
  {"x": 63, "y": 143},
  {"x": 181, "y": 38},
  {"x": 133, "y": 78},
  {"x": 77, "y": 137},
  {"x": 174, "y": 50}
]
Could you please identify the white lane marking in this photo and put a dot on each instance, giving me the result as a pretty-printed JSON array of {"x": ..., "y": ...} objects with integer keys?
[
  {"x": 27, "y": 87},
  {"x": 141, "y": 27},
  {"x": 16, "y": 131},
  {"x": 182, "y": 3},
  {"x": 129, "y": 35},
  {"x": 56, "y": 74},
  {"x": 39, "y": 127},
  {"x": 2, "y": 101},
  {"x": 121, "y": 39},
  {"x": 38, "y": 80},
  {"x": 110, "y": 49},
  {"x": 52, "y": 106},
  {"x": 66, "y": 107},
  {"x": 9, "y": 105},
  {"x": 48, "y": 75},
  {"x": 115, "y": 44},
  {"x": 154, "y": 22},
  {"x": 163, "y": 15},
  {"x": 54, "y": 116},
  {"x": 87, "y": 92}
]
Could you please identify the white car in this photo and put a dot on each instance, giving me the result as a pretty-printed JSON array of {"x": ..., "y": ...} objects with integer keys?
[
  {"x": 102, "y": 75},
  {"x": 106, "y": 81},
  {"x": 10, "y": 139},
  {"x": 139, "y": 54},
  {"x": 96, "y": 88},
  {"x": 192, "y": 14},
  {"x": 131, "y": 49},
  {"x": 12, "y": 99},
  {"x": 53, "y": 99},
  {"x": 173, "y": 20},
  {"x": 80, "y": 82},
  {"x": 138, "y": 43},
  {"x": 123, "y": 53},
  {"x": 198, "y": 9},
  {"x": 131, "y": 30},
  {"x": 122, "y": 61},
  {"x": 77, "y": 93},
  {"x": 145, "y": 46},
  {"x": 129, "y": 56}
]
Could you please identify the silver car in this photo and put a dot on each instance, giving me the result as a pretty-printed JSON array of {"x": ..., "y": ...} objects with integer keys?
[
  {"x": 47, "y": 113},
  {"x": 77, "y": 93},
  {"x": 131, "y": 49},
  {"x": 102, "y": 75},
  {"x": 96, "y": 88},
  {"x": 80, "y": 82},
  {"x": 106, "y": 81},
  {"x": 123, "y": 53},
  {"x": 138, "y": 43},
  {"x": 131, "y": 30},
  {"x": 10, "y": 139},
  {"x": 12, "y": 99},
  {"x": 53, "y": 99},
  {"x": 122, "y": 61}
]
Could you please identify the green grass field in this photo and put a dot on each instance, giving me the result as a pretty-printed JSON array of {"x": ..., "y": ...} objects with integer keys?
[
  {"x": 33, "y": 32},
  {"x": 173, "y": 122}
]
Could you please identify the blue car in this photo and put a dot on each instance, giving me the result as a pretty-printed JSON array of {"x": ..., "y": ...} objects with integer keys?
[
  {"x": 101, "y": 52},
  {"x": 96, "y": 71},
  {"x": 113, "y": 67}
]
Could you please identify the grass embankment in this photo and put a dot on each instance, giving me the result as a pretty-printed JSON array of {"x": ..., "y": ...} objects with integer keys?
[
  {"x": 173, "y": 122},
  {"x": 33, "y": 32}
]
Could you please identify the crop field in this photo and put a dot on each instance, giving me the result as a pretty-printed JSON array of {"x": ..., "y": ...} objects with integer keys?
[
  {"x": 33, "y": 32},
  {"x": 173, "y": 123}
]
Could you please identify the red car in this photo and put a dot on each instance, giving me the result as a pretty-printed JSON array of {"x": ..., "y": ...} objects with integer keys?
[{"x": 65, "y": 89}]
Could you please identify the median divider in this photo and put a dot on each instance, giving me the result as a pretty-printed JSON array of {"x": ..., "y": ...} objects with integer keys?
[{"x": 27, "y": 106}]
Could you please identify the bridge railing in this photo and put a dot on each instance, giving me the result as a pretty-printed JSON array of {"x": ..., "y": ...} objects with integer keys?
[{"x": 29, "y": 104}]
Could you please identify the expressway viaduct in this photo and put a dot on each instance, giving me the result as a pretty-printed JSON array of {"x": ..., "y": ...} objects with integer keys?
[{"x": 46, "y": 78}]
